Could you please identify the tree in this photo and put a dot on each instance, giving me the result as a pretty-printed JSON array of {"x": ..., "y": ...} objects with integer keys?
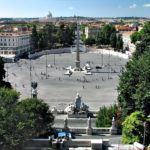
[
  {"x": 142, "y": 35},
  {"x": 134, "y": 86},
  {"x": 60, "y": 36},
  {"x": 119, "y": 44},
  {"x": 105, "y": 115},
  {"x": 68, "y": 36},
  {"x": 100, "y": 40},
  {"x": 141, "y": 47},
  {"x": 49, "y": 35},
  {"x": 89, "y": 41},
  {"x": 136, "y": 36},
  {"x": 34, "y": 37},
  {"x": 103, "y": 37},
  {"x": 2, "y": 75},
  {"x": 43, "y": 41},
  {"x": 9, "y": 136},
  {"x": 113, "y": 40},
  {"x": 2, "y": 70},
  {"x": 22, "y": 120},
  {"x": 133, "y": 128},
  {"x": 108, "y": 30},
  {"x": 83, "y": 37},
  {"x": 38, "y": 113}
]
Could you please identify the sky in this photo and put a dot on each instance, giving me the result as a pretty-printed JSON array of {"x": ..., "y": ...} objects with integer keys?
[{"x": 88, "y": 8}]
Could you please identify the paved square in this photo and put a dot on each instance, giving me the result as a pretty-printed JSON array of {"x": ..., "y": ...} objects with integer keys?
[{"x": 60, "y": 90}]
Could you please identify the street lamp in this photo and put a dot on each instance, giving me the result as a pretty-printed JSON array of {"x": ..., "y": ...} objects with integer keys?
[
  {"x": 30, "y": 75},
  {"x": 7, "y": 72},
  {"x": 144, "y": 125},
  {"x": 109, "y": 65},
  {"x": 54, "y": 58},
  {"x": 46, "y": 65}
]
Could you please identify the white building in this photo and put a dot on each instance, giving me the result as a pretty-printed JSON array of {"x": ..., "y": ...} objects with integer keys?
[
  {"x": 91, "y": 31},
  {"x": 127, "y": 41},
  {"x": 14, "y": 43}
]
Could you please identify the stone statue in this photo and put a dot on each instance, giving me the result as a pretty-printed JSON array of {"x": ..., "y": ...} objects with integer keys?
[
  {"x": 66, "y": 124},
  {"x": 34, "y": 85},
  {"x": 78, "y": 102},
  {"x": 54, "y": 110},
  {"x": 89, "y": 123},
  {"x": 113, "y": 123},
  {"x": 34, "y": 89},
  {"x": 89, "y": 128},
  {"x": 113, "y": 129},
  {"x": 84, "y": 107},
  {"x": 78, "y": 109}
]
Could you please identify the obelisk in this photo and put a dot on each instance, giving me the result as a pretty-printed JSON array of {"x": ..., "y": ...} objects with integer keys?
[{"x": 78, "y": 50}]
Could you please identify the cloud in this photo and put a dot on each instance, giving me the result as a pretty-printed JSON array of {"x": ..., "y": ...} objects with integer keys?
[
  {"x": 133, "y": 6},
  {"x": 71, "y": 8},
  {"x": 146, "y": 5}
]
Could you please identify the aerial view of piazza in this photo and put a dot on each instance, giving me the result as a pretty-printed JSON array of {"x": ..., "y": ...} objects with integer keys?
[{"x": 75, "y": 75}]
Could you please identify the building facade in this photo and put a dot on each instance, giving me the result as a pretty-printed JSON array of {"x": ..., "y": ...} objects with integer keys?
[
  {"x": 14, "y": 43},
  {"x": 91, "y": 31},
  {"x": 127, "y": 41}
]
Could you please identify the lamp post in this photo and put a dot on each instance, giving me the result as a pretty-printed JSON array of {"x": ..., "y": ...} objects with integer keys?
[
  {"x": 102, "y": 57},
  {"x": 54, "y": 58},
  {"x": 7, "y": 72},
  {"x": 30, "y": 75},
  {"x": 109, "y": 65},
  {"x": 144, "y": 125},
  {"x": 46, "y": 65}
]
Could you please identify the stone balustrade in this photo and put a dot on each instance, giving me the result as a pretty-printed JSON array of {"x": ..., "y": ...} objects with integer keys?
[{"x": 82, "y": 130}]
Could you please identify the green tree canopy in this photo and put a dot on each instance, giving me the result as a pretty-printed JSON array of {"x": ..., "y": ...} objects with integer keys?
[
  {"x": 105, "y": 115},
  {"x": 113, "y": 40},
  {"x": 2, "y": 70},
  {"x": 2, "y": 75},
  {"x": 34, "y": 37},
  {"x": 119, "y": 42},
  {"x": 142, "y": 35},
  {"x": 100, "y": 39},
  {"x": 22, "y": 120},
  {"x": 9, "y": 135},
  {"x": 108, "y": 36},
  {"x": 136, "y": 36},
  {"x": 108, "y": 30},
  {"x": 103, "y": 37},
  {"x": 89, "y": 41},
  {"x": 134, "y": 86},
  {"x": 133, "y": 128},
  {"x": 38, "y": 113}
]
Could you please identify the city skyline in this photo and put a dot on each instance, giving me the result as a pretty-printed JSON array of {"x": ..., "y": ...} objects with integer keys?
[{"x": 88, "y": 8}]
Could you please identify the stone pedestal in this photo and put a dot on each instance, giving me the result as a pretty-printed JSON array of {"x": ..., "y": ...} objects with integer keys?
[
  {"x": 113, "y": 129},
  {"x": 66, "y": 125},
  {"x": 89, "y": 128},
  {"x": 89, "y": 131}
]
